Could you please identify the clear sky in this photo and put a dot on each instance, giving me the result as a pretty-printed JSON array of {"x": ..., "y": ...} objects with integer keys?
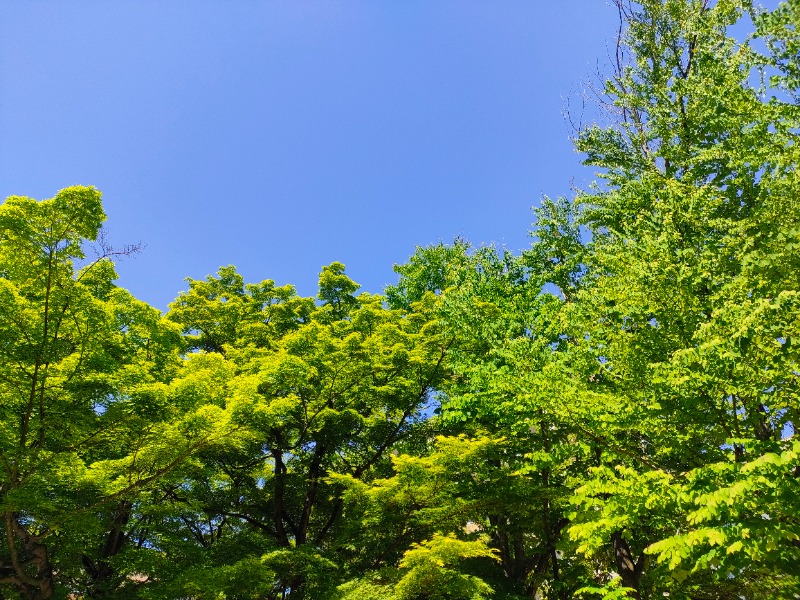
[{"x": 283, "y": 136}]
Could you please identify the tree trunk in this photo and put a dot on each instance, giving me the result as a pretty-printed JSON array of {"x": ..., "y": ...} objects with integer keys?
[
  {"x": 629, "y": 570},
  {"x": 101, "y": 573},
  {"x": 30, "y": 563}
]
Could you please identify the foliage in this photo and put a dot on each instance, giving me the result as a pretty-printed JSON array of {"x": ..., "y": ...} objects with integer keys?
[
  {"x": 687, "y": 307},
  {"x": 609, "y": 414},
  {"x": 318, "y": 390},
  {"x": 89, "y": 422}
]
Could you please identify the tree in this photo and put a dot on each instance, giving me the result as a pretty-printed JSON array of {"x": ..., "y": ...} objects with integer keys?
[
  {"x": 417, "y": 534},
  {"x": 507, "y": 340},
  {"x": 683, "y": 322},
  {"x": 319, "y": 389},
  {"x": 664, "y": 363},
  {"x": 83, "y": 432},
  {"x": 610, "y": 414}
]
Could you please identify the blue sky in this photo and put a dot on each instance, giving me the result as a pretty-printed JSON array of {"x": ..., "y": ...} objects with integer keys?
[{"x": 282, "y": 136}]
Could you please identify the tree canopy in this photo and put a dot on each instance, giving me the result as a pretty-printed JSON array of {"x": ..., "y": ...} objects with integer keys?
[{"x": 608, "y": 414}]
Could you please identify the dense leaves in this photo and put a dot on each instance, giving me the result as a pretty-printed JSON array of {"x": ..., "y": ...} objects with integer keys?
[
  {"x": 609, "y": 414},
  {"x": 89, "y": 418}
]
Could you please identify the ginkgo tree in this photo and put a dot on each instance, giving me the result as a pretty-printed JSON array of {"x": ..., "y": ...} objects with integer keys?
[{"x": 687, "y": 306}]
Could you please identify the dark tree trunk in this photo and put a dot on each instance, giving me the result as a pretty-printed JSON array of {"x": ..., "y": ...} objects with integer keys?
[
  {"x": 629, "y": 570},
  {"x": 30, "y": 571},
  {"x": 102, "y": 575}
]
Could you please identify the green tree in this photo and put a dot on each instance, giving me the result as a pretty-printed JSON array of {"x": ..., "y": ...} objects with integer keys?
[
  {"x": 664, "y": 364},
  {"x": 682, "y": 325},
  {"x": 319, "y": 389},
  {"x": 83, "y": 432},
  {"x": 506, "y": 342},
  {"x": 418, "y": 533}
]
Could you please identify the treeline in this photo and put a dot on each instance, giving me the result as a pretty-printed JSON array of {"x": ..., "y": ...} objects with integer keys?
[{"x": 607, "y": 414}]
